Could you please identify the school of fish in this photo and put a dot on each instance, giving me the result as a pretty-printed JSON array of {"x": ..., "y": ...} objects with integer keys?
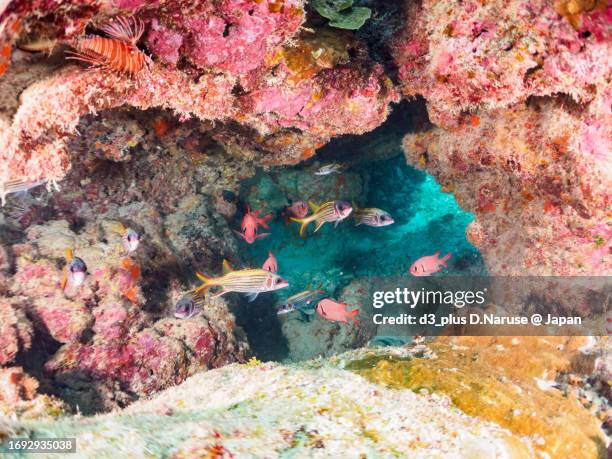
[{"x": 252, "y": 281}]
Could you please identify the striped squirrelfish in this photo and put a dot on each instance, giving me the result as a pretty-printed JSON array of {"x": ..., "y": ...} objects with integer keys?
[
  {"x": 251, "y": 281},
  {"x": 372, "y": 216},
  {"x": 332, "y": 211},
  {"x": 188, "y": 306},
  {"x": 299, "y": 301},
  {"x": 75, "y": 272}
]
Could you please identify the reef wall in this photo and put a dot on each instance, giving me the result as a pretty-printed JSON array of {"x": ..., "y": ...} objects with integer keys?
[
  {"x": 520, "y": 94},
  {"x": 262, "y": 80}
]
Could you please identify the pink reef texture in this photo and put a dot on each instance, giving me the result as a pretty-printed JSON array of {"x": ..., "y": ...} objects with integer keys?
[
  {"x": 97, "y": 347},
  {"x": 234, "y": 72},
  {"x": 465, "y": 56},
  {"x": 112, "y": 349},
  {"x": 522, "y": 98}
]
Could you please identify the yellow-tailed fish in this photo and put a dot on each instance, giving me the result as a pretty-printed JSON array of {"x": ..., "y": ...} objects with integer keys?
[
  {"x": 332, "y": 211},
  {"x": 371, "y": 216},
  {"x": 251, "y": 281},
  {"x": 75, "y": 273}
]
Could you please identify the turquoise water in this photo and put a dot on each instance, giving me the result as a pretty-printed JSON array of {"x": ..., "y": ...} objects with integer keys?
[{"x": 426, "y": 220}]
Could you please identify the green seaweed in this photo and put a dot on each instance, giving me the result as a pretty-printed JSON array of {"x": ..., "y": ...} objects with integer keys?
[{"x": 342, "y": 14}]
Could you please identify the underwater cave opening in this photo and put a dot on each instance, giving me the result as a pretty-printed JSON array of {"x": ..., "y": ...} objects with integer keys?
[{"x": 375, "y": 174}]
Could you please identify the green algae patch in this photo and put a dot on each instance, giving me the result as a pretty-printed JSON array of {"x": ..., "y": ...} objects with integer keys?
[
  {"x": 501, "y": 382},
  {"x": 372, "y": 361}
]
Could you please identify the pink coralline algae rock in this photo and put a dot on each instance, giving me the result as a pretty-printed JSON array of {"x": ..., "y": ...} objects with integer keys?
[
  {"x": 463, "y": 56},
  {"x": 112, "y": 349},
  {"x": 236, "y": 73},
  {"x": 15, "y": 331},
  {"x": 535, "y": 177}
]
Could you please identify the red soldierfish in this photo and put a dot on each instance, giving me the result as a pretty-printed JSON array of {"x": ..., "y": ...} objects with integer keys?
[
  {"x": 250, "y": 223},
  {"x": 75, "y": 273},
  {"x": 332, "y": 310},
  {"x": 332, "y": 211},
  {"x": 270, "y": 264},
  {"x": 298, "y": 209},
  {"x": 426, "y": 266}
]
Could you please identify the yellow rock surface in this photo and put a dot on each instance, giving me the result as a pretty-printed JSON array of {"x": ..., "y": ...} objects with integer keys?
[{"x": 503, "y": 380}]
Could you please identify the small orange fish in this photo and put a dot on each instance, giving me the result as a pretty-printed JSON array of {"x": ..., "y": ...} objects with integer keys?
[
  {"x": 250, "y": 223},
  {"x": 332, "y": 310},
  {"x": 271, "y": 264},
  {"x": 133, "y": 273},
  {"x": 428, "y": 265}
]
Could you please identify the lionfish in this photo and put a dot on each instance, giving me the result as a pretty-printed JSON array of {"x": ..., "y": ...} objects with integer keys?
[{"x": 118, "y": 52}]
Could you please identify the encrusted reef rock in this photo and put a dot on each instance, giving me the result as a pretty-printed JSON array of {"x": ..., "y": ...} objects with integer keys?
[
  {"x": 256, "y": 78},
  {"x": 467, "y": 399},
  {"x": 466, "y": 56},
  {"x": 516, "y": 382},
  {"x": 538, "y": 179},
  {"x": 520, "y": 94},
  {"x": 113, "y": 350},
  {"x": 115, "y": 339}
]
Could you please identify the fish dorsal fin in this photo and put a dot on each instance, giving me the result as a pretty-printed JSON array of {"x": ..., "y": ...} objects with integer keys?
[
  {"x": 227, "y": 268},
  {"x": 355, "y": 207},
  {"x": 313, "y": 206},
  {"x": 437, "y": 254},
  {"x": 69, "y": 255}
]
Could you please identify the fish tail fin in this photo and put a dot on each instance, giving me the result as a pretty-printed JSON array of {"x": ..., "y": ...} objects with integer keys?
[
  {"x": 63, "y": 282},
  {"x": 69, "y": 254},
  {"x": 263, "y": 221},
  {"x": 313, "y": 206},
  {"x": 303, "y": 222},
  {"x": 239, "y": 234},
  {"x": 207, "y": 282},
  {"x": 353, "y": 316},
  {"x": 446, "y": 258}
]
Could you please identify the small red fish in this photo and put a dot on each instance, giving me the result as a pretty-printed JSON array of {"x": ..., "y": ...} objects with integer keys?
[
  {"x": 132, "y": 271},
  {"x": 270, "y": 264},
  {"x": 250, "y": 223},
  {"x": 298, "y": 209},
  {"x": 430, "y": 264},
  {"x": 332, "y": 310}
]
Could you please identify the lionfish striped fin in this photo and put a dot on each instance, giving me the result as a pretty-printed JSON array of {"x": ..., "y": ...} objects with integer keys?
[{"x": 128, "y": 30}]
